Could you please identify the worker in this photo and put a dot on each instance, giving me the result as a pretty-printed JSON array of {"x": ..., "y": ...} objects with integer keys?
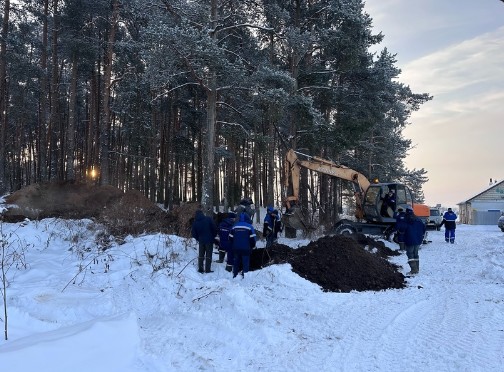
[
  {"x": 245, "y": 205},
  {"x": 272, "y": 226},
  {"x": 413, "y": 238},
  {"x": 400, "y": 227},
  {"x": 449, "y": 218},
  {"x": 243, "y": 239},
  {"x": 204, "y": 231},
  {"x": 388, "y": 201},
  {"x": 225, "y": 250}
]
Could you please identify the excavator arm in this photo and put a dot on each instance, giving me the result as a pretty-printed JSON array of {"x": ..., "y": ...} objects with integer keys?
[{"x": 293, "y": 170}]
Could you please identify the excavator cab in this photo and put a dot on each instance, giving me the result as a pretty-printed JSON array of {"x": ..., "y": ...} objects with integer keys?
[{"x": 376, "y": 195}]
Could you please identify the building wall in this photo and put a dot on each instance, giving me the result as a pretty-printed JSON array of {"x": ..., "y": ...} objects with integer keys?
[
  {"x": 485, "y": 217},
  {"x": 483, "y": 209}
]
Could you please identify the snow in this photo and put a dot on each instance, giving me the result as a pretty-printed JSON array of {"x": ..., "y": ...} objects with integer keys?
[{"x": 141, "y": 306}]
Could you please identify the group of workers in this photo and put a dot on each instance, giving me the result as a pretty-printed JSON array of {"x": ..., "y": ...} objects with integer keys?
[
  {"x": 410, "y": 232},
  {"x": 235, "y": 237}
]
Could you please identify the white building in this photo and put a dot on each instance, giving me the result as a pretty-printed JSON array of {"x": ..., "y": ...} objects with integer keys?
[{"x": 485, "y": 207}]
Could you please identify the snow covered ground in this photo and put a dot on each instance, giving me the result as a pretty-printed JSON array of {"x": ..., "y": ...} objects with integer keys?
[{"x": 141, "y": 306}]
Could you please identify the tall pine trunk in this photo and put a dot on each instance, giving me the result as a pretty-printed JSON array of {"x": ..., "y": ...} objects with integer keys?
[
  {"x": 3, "y": 97},
  {"x": 107, "y": 86},
  {"x": 209, "y": 138},
  {"x": 54, "y": 124},
  {"x": 70, "y": 148}
]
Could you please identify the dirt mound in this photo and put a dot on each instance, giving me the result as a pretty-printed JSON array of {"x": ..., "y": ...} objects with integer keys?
[
  {"x": 122, "y": 213},
  {"x": 337, "y": 263},
  {"x": 60, "y": 199}
]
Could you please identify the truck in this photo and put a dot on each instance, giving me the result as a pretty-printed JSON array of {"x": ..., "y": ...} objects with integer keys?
[
  {"x": 435, "y": 218},
  {"x": 370, "y": 217}
]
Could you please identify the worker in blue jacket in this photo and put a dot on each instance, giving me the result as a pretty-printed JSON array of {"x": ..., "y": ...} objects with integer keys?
[
  {"x": 413, "y": 238},
  {"x": 225, "y": 249},
  {"x": 272, "y": 226},
  {"x": 243, "y": 239},
  {"x": 450, "y": 225}
]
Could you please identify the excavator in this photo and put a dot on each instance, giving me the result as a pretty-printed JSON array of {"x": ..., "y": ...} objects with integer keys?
[{"x": 371, "y": 218}]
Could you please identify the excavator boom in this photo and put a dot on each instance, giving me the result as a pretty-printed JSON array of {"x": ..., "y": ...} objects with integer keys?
[{"x": 293, "y": 169}]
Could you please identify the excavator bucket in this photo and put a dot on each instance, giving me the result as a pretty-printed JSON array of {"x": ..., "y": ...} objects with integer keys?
[{"x": 295, "y": 219}]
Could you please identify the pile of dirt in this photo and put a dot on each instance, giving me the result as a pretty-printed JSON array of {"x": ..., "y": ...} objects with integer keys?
[
  {"x": 59, "y": 199},
  {"x": 121, "y": 212},
  {"x": 338, "y": 263}
]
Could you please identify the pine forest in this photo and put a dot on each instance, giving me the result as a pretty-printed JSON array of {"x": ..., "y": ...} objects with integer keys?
[{"x": 199, "y": 100}]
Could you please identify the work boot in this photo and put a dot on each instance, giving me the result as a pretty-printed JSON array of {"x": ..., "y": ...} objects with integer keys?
[
  {"x": 416, "y": 267},
  {"x": 229, "y": 267},
  {"x": 200, "y": 264},
  {"x": 222, "y": 254},
  {"x": 208, "y": 264},
  {"x": 411, "y": 264}
]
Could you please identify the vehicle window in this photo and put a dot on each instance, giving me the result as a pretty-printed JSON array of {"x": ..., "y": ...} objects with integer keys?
[
  {"x": 372, "y": 195},
  {"x": 401, "y": 197},
  {"x": 434, "y": 212}
]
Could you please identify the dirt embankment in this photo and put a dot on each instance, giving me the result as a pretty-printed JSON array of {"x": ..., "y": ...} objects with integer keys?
[{"x": 122, "y": 212}]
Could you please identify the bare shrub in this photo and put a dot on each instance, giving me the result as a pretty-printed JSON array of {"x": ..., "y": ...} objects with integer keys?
[
  {"x": 12, "y": 254},
  {"x": 134, "y": 214},
  {"x": 184, "y": 217}
]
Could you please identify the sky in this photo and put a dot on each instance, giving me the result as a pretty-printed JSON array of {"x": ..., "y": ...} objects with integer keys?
[
  {"x": 80, "y": 310},
  {"x": 453, "y": 50}
]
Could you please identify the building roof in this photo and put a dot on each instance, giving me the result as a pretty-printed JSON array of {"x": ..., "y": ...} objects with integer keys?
[{"x": 501, "y": 183}]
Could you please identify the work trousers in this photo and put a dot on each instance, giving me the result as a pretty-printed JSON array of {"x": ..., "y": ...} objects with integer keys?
[
  {"x": 449, "y": 235},
  {"x": 241, "y": 261},
  {"x": 271, "y": 239},
  {"x": 205, "y": 255},
  {"x": 412, "y": 252}
]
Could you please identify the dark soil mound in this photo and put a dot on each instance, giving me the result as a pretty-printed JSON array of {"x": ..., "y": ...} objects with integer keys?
[
  {"x": 337, "y": 263},
  {"x": 121, "y": 212}
]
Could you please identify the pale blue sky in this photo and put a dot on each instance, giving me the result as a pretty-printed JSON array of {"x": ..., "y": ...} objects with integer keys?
[{"x": 453, "y": 50}]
